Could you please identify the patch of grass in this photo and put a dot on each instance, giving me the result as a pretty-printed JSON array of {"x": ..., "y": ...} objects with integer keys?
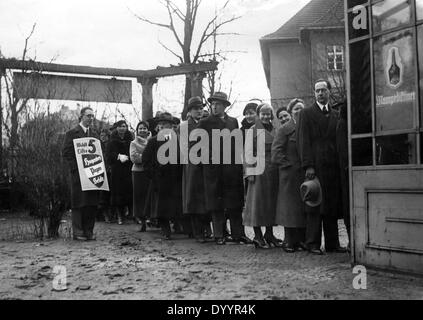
[{"x": 20, "y": 226}]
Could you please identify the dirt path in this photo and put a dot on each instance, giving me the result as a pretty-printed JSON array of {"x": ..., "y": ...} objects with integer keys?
[{"x": 125, "y": 264}]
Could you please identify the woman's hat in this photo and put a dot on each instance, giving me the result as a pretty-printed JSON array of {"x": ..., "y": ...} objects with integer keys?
[
  {"x": 219, "y": 96},
  {"x": 250, "y": 106},
  {"x": 195, "y": 102},
  {"x": 311, "y": 192},
  {"x": 165, "y": 117},
  {"x": 119, "y": 123}
]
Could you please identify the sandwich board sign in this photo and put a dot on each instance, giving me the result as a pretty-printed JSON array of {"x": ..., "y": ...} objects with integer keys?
[{"x": 91, "y": 166}]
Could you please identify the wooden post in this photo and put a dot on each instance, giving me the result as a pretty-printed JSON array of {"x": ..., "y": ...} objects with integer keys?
[
  {"x": 196, "y": 79},
  {"x": 2, "y": 72},
  {"x": 197, "y": 83},
  {"x": 147, "y": 96}
]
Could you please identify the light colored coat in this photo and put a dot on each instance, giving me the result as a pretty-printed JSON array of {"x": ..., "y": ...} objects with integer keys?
[
  {"x": 260, "y": 203},
  {"x": 135, "y": 152}
]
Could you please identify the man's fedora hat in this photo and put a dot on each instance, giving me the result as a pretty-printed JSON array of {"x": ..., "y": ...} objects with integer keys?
[
  {"x": 219, "y": 96},
  {"x": 311, "y": 192},
  {"x": 195, "y": 102}
]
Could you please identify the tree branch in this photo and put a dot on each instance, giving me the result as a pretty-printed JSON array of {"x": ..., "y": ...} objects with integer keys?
[
  {"x": 172, "y": 27},
  {"x": 175, "y": 9},
  {"x": 171, "y": 51},
  {"x": 26, "y": 41},
  {"x": 207, "y": 33},
  {"x": 194, "y": 11},
  {"x": 220, "y": 53},
  {"x": 23, "y": 105},
  {"x": 151, "y": 22}
]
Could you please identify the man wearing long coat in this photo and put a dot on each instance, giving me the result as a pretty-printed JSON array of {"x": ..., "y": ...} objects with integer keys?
[
  {"x": 316, "y": 139},
  {"x": 83, "y": 203},
  {"x": 166, "y": 191},
  {"x": 223, "y": 185},
  {"x": 193, "y": 197}
]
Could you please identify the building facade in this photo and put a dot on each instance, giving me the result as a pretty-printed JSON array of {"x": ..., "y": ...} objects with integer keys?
[{"x": 311, "y": 45}]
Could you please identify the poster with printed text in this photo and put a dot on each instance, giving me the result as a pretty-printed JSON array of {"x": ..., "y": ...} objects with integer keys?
[
  {"x": 395, "y": 80},
  {"x": 91, "y": 166}
]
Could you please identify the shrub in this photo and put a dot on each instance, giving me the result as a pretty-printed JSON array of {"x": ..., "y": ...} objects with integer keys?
[{"x": 40, "y": 171}]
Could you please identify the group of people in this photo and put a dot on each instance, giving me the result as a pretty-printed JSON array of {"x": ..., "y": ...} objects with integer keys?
[{"x": 303, "y": 187}]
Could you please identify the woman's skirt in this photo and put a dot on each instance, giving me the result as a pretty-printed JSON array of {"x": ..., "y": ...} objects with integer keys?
[{"x": 140, "y": 183}]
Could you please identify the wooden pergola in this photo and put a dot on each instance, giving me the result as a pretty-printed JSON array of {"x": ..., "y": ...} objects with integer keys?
[{"x": 147, "y": 78}]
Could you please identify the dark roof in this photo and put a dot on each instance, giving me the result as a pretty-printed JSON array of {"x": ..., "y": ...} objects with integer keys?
[{"x": 316, "y": 14}]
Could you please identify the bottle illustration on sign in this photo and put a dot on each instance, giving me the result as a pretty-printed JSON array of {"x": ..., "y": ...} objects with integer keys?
[
  {"x": 394, "y": 68},
  {"x": 394, "y": 71}
]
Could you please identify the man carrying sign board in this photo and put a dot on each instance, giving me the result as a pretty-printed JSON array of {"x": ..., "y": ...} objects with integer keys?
[{"x": 84, "y": 159}]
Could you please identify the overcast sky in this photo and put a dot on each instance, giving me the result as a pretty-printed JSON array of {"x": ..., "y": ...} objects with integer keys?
[{"x": 105, "y": 33}]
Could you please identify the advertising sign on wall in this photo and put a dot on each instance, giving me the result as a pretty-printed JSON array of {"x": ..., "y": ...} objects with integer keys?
[{"x": 395, "y": 74}]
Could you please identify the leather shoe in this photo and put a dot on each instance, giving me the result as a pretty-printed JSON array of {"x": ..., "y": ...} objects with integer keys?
[
  {"x": 260, "y": 243},
  {"x": 337, "y": 250},
  {"x": 301, "y": 247},
  {"x": 273, "y": 241},
  {"x": 228, "y": 238},
  {"x": 244, "y": 240},
  {"x": 316, "y": 251},
  {"x": 220, "y": 241},
  {"x": 287, "y": 248},
  {"x": 80, "y": 238}
]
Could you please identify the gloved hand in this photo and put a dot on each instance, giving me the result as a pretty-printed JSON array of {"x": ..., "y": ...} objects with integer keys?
[
  {"x": 310, "y": 173},
  {"x": 251, "y": 179},
  {"x": 123, "y": 158}
]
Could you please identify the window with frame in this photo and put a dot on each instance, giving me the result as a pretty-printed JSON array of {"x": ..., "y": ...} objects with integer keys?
[
  {"x": 387, "y": 128},
  {"x": 335, "y": 58},
  {"x": 419, "y": 8}
]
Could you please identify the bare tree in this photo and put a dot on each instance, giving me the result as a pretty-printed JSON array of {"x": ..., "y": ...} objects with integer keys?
[
  {"x": 15, "y": 104},
  {"x": 214, "y": 78},
  {"x": 187, "y": 17}
]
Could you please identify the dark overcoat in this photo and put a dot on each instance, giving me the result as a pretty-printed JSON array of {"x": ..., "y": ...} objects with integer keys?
[
  {"x": 245, "y": 125},
  {"x": 166, "y": 183},
  {"x": 223, "y": 182},
  {"x": 121, "y": 173},
  {"x": 193, "y": 198},
  {"x": 260, "y": 203},
  {"x": 105, "y": 195},
  {"x": 290, "y": 207},
  {"x": 316, "y": 142},
  {"x": 79, "y": 198}
]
